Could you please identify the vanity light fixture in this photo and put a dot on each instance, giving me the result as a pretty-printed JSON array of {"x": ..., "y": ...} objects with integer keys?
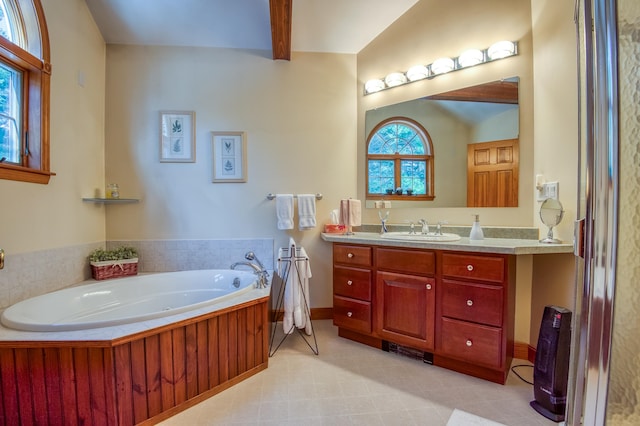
[
  {"x": 395, "y": 79},
  {"x": 442, "y": 65},
  {"x": 417, "y": 72},
  {"x": 501, "y": 49},
  {"x": 468, "y": 58},
  {"x": 373, "y": 86}
]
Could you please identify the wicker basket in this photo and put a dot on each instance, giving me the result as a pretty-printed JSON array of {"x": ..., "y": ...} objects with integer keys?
[{"x": 114, "y": 268}]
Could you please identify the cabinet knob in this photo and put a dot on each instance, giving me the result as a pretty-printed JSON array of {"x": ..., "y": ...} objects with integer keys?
[
  {"x": 428, "y": 286},
  {"x": 350, "y": 255},
  {"x": 469, "y": 342},
  {"x": 469, "y": 302},
  {"x": 349, "y": 314},
  {"x": 349, "y": 282},
  {"x": 469, "y": 268}
]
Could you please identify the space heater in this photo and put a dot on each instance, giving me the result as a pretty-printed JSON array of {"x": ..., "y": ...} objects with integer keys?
[{"x": 551, "y": 369}]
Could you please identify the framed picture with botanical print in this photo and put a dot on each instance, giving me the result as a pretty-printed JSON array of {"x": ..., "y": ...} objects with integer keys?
[
  {"x": 229, "y": 157},
  {"x": 177, "y": 136}
]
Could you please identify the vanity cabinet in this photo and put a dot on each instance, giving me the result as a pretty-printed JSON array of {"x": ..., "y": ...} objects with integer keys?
[
  {"x": 352, "y": 287},
  {"x": 456, "y": 306},
  {"x": 405, "y": 302},
  {"x": 476, "y": 307}
]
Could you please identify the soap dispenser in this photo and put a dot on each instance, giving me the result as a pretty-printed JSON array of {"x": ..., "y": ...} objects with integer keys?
[{"x": 476, "y": 230}]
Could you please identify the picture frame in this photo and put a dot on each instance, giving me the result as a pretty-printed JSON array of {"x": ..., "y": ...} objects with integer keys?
[
  {"x": 229, "y": 157},
  {"x": 177, "y": 137}
]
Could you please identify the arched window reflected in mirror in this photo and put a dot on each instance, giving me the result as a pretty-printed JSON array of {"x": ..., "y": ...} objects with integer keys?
[{"x": 400, "y": 160}]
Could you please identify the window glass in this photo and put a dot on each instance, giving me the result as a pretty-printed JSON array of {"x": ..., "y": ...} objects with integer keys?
[
  {"x": 399, "y": 155},
  {"x": 10, "y": 117},
  {"x": 414, "y": 176},
  {"x": 381, "y": 176},
  {"x": 5, "y": 22}
]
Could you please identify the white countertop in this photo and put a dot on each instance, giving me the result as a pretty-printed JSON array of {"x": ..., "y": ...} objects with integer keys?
[{"x": 488, "y": 245}]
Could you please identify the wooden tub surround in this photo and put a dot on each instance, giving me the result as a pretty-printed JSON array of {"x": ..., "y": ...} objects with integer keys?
[{"x": 142, "y": 378}]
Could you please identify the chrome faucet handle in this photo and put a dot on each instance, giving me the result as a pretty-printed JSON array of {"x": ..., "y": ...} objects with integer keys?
[
  {"x": 412, "y": 228},
  {"x": 439, "y": 226}
]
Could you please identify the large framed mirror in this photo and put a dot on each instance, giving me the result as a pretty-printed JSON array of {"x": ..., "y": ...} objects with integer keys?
[{"x": 474, "y": 134}]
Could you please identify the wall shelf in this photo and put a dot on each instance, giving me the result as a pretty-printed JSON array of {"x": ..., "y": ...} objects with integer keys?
[{"x": 111, "y": 200}]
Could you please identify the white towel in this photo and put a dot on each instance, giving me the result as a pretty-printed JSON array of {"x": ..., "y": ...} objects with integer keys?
[
  {"x": 350, "y": 212},
  {"x": 293, "y": 264},
  {"x": 284, "y": 211},
  {"x": 306, "y": 211}
]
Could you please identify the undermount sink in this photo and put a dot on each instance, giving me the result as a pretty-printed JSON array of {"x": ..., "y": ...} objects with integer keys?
[{"x": 430, "y": 237}]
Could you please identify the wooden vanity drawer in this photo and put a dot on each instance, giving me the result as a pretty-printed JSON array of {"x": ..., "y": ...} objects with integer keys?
[
  {"x": 406, "y": 261},
  {"x": 481, "y": 303},
  {"x": 474, "y": 343},
  {"x": 352, "y": 255},
  {"x": 352, "y": 282},
  {"x": 351, "y": 313},
  {"x": 486, "y": 268}
]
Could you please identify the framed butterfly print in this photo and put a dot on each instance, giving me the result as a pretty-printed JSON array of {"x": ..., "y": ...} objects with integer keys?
[
  {"x": 177, "y": 136},
  {"x": 229, "y": 157}
]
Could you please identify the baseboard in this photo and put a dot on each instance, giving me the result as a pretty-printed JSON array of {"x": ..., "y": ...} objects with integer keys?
[
  {"x": 523, "y": 350},
  {"x": 316, "y": 314}
]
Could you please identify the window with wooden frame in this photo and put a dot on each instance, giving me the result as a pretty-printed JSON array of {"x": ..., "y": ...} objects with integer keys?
[
  {"x": 25, "y": 72},
  {"x": 400, "y": 161}
]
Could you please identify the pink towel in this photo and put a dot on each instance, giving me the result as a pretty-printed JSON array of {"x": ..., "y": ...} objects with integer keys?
[{"x": 350, "y": 212}]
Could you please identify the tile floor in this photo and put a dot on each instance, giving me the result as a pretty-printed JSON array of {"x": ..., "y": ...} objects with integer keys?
[{"x": 352, "y": 384}]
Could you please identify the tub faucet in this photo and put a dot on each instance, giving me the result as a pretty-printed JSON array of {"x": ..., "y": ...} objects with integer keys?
[{"x": 258, "y": 269}]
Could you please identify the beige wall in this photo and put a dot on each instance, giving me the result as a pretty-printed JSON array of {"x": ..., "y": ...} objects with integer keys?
[
  {"x": 37, "y": 217},
  {"x": 299, "y": 120},
  {"x": 556, "y": 144}
]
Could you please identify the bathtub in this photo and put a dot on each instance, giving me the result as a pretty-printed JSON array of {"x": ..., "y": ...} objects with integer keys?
[
  {"x": 127, "y": 300},
  {"x": 136, "y": 366}
]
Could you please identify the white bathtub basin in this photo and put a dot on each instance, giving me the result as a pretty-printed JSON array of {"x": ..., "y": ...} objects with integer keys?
[
  {"x": 430, "y": 237},
  {"x": 126, "y": 300}
]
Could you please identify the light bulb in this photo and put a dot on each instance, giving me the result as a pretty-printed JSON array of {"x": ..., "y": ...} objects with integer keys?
[{"x": 373, "y": 86}]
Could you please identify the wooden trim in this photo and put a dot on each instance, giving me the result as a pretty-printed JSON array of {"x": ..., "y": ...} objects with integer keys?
[
  {"x": 523, "y": 350},
  {"x": 281, "y": 11},
  {"x": 503, "y": 92}
]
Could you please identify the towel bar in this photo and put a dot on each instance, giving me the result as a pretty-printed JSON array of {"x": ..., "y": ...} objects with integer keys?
[{"x": 271, "y": 196}]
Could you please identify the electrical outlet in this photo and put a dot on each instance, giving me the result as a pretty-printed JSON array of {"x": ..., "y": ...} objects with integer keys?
[{"x": 550, "y": 190}]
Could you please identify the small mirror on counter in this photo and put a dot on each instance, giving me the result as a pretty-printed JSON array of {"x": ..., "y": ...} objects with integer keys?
[{"x": 551, "y": 214}]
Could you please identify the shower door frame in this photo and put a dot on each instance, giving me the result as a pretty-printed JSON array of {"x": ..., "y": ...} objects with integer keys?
[{"x": 595, "y": 287}]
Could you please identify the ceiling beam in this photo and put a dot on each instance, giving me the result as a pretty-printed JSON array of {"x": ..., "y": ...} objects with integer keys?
[{"x": 280, "y": 11}]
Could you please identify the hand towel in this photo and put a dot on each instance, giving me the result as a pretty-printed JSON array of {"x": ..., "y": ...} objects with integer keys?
[
  {"x": 306, "y": 211},
  {"x": 284, "y": 211},
  {"x": 350, "y": 212},
  {"x": 284, "y": 270}
]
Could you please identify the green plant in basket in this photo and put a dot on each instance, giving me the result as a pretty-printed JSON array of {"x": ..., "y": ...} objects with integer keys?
[{"x": 119, "y": 253}]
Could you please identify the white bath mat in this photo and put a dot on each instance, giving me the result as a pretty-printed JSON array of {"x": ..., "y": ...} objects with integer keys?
[{"x": 462, "y": 418}]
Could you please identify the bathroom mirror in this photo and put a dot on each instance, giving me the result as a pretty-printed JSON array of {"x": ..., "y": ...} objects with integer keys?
[
  {"x": 551, "y": 214},
  {"x": 454, "y": 120}
]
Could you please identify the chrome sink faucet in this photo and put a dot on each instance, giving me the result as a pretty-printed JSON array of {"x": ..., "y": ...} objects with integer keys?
[
  {"x": 425, "y": 226},
  {"x": 258, "y": 269}
]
